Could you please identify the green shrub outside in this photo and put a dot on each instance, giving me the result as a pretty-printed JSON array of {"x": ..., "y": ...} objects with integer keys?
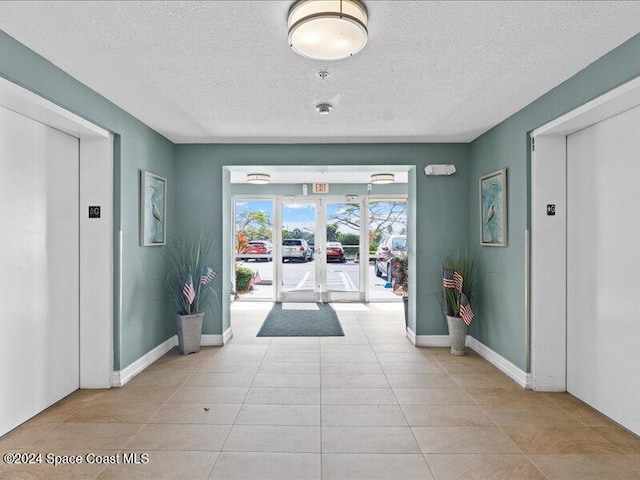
[{"x": 243, "y": 279}]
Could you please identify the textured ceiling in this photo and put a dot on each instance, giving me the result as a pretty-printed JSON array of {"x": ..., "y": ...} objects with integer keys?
[{"x": 223, "y": 72}]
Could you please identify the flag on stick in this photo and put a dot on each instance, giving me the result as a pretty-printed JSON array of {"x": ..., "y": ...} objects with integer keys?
[
  {"x": 465, "y": 309},
  {"x": 447, "y": 279},
  {"x": 452, "y": 279},
  {"x": 457, "y": 280},
  {"x": 188, "y": 290},
  {"x": 255, "y": 279},
  {"x": 206, "y": 276}
]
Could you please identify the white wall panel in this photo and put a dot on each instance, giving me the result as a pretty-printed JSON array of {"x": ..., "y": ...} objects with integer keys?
[
  {"x": 39, "y": 267},
  {"x": 548, "y": 275},
  {"x": 603, "y": 235}
]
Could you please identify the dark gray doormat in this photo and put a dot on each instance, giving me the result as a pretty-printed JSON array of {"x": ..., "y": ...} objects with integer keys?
[{"x": 301, "y": 320}]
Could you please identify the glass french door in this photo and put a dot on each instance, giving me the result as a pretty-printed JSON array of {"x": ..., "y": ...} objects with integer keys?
[
  {"x": 319, "y": 245},
  {"x": 297, "y": 272}
]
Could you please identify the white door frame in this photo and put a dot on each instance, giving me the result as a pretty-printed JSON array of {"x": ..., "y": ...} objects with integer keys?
[
  {"x": 96, "y": 235},
  {"x": 549, "y": 233},
  {"x": 320, "y": 294}
]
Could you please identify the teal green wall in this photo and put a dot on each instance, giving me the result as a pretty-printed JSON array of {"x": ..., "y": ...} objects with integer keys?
[
  {"x": 441, "y": 202},
  {"x": 501, "y": 325},
  {"x": 146, "y": 318},
  {"x": 446, "y": 207}
]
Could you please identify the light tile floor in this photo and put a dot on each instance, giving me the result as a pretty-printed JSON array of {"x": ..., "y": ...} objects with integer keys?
[{"x": 365, "y": 406}]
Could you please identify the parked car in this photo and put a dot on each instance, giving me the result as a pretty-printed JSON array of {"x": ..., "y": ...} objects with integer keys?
[
  {"x": 392, "y": 244},
  {"x": 335, "y": 252},
  {"x": 259, "y": 250},
  {"x": 296, "y": 249}
]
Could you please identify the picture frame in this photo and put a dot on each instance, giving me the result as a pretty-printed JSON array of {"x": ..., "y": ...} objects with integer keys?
[
  {"x": 493, "y": 209},
  {"x": 153, "y": 211}
]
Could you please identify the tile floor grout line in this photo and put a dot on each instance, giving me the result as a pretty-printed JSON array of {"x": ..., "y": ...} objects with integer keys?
[
  {"x": 424, "y": 459},
  {"x": 528, "y": 455},
  {"x": 489, "y": 416},
  {"x": 482, "y": 409},
  {"x": 238, "y": 414},
  {"x": 214, "y": 465},
  {"x": 507, "y": 435},
  {"x": 378, "y": 340},
  {"x": 190, "y": 374},
  {"x": 309, "y": 452}
]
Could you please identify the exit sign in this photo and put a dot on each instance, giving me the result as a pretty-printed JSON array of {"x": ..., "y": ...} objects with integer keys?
[{"x": 320, "y": 188}]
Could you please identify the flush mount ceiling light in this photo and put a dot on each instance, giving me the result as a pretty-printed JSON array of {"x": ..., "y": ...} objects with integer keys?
[
  {"x": 327, "y": 29},
  {"x": 258, "y": 178},
  {"x": 380, "y": 178}
]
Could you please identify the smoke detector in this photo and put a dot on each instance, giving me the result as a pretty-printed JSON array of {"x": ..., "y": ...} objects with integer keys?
[{"x": 324, "y": 108}]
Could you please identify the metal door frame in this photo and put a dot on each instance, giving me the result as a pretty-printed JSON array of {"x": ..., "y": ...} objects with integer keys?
[{"x": 320, "y": 292}]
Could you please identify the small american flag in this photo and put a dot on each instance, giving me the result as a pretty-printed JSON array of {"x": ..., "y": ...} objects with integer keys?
[
  {"x": 447, "y": 279},
  {"x": 457, "y": 279},
  {"x": 451, "y": 279},
  {"x": 465, "y": 309},
  {"x": 206, "y": 276},
  {"x": 188, "y": 291},
  {"x": 256, "y": 278}
]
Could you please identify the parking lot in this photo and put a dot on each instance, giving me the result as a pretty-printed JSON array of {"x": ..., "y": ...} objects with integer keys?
[{"x": 298, "y": 276}]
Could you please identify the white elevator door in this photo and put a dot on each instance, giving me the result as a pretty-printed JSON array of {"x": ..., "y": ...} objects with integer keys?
[
  {"x": 603, "y": 264},
  {"x": 39, "y": 267}
]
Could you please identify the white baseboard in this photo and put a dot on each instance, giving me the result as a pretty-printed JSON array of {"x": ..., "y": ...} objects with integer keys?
[
  {"x": 432, "y": 341},
  {"x": 505, "y": 366},
  {"x": 216, "y": 340},
  {"x": 547, "y": 388},
  {"x": 411, "y": 336},
  {"x": 227, "y": 336},
  {"x": 529, "y": 383},
  {"x": 522, "y": 378},
  {"x": 121, "y": 377},
  {"x": 211, "y": 340},
  {"x": 525, "y": 380}
]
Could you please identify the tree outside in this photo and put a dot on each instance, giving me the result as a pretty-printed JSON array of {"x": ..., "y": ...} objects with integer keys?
[
  {"x": 255, "y": 224},
  {"x": 386, "y": 217},
  {"x": 241, "y": 242},
  {"x": 299, "y": 233}
]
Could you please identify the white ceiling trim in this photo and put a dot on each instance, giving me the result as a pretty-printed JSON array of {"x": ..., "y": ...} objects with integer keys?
[
  {"x": 314, "y": 176},
  {"x": 296, "y": 174},
  {"x": 323, "y": 140}
]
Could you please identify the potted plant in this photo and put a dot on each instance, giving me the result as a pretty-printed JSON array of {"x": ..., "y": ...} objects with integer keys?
[
  {"x": 459, "y": 277},
  {"x": 189, "y": 286},
  {"x": 399, "y": 261}
]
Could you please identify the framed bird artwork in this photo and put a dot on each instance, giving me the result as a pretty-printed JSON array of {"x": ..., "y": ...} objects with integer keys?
[
  {"x": 493, "y": 209},
  {"x": 153, "y": 214}
]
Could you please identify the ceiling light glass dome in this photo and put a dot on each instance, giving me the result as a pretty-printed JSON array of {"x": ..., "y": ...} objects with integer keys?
[
  {"x": 258, "y": 178},
  {"x": 381, "y": 178},
  {"x": 327, "y": 29}
]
